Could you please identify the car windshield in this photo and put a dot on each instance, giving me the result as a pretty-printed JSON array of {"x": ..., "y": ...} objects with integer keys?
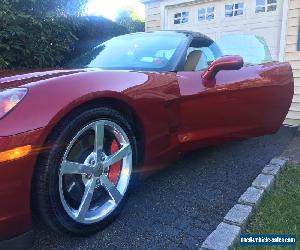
[{"x": 140, "y": 51}]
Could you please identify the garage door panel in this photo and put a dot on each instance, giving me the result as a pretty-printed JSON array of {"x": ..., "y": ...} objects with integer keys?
[
  {"x": 268, "y": 33},
  {"x": 230, "y": 32},
  {"x": 207, "y": 25},
  {"x": 273, "y": 25},
  {"x": 266, "y": 25}
]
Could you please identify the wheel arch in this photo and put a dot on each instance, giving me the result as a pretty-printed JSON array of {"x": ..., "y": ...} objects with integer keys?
[{"x": 119, "y": 105}]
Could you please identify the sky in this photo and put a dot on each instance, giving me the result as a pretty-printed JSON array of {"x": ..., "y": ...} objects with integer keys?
[{"x": 110, "y": 8}]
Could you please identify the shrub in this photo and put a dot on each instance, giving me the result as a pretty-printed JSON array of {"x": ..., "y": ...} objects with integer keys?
[
  {"x": 91, "y": 31},
  {"x": 30, "y": 41}
]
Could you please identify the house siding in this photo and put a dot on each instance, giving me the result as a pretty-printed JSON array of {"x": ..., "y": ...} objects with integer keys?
[
  {"x": 153, "y": 16},
  {"x": 292, "y": 55}
]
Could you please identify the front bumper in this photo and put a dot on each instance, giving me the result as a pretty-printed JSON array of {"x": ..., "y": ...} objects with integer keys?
[
  {"x": 15, "y": 185},
  {"x": 20, "y": 242}
]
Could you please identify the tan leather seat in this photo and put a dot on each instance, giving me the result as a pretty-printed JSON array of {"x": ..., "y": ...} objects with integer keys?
[{"x": 192, "y": 60}]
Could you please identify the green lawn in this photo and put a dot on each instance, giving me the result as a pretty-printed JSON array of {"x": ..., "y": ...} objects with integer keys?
[{"x": 279, "y": 212}]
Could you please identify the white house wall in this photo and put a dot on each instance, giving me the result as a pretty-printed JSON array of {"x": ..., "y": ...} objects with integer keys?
[{"x": 266, "y": 25}]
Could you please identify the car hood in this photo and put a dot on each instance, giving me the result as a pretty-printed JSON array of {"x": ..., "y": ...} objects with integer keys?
[{"x": 12, "y": 78}]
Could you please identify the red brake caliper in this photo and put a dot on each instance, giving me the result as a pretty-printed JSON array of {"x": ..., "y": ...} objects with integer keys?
[{"x": 115, "y": 169}]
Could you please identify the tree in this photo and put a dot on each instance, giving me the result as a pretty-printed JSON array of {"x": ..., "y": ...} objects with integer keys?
[
  {"x": 49, "y": 7},
  {"x": 130, "y": 19}
]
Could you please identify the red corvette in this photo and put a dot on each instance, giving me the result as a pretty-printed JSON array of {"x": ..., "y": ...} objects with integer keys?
[{"x": 73, "y": 141}]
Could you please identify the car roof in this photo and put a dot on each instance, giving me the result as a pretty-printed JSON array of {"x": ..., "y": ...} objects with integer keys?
[
  {"x": 185, "y": 32},
  {"x": 193, "y": 35}
]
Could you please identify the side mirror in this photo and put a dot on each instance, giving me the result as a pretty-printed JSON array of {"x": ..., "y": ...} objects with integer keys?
[{"x": 223, "y": 63}]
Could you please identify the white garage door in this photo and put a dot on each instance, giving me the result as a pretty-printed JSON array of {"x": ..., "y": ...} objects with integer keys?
[{"x": 219, "y": 18}]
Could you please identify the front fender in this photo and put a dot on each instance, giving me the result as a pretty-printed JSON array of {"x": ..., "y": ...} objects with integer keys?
[{"x": 49, "y": 100}]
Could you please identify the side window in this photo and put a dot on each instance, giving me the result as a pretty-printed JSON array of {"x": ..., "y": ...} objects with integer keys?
[
  {"x": 181, "y": 17},
  {"x": 201, "y": 53},
  {"x": 209, "y": 54},
  {"x": 206, "y": 14},
  {"x": 206, "y": 59},
  {"x": 202, "y": 58},
  {"x": 234, "y": 9},
  {"x": 265, "y": 6},
  {"x": 253, "y": 49}
]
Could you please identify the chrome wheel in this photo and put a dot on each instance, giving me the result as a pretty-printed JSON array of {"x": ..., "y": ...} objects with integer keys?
[{"x": 95, "y": 172}]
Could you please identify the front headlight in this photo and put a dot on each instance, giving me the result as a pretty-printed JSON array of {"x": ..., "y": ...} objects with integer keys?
[{"x": 10, "y": 98}]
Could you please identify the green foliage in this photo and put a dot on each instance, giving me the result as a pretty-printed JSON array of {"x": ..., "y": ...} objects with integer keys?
[
  {"x": 49, "y": 7},
  {"x": 131, "y": 20},
  {"x": 28, "y": 41},
  {"x": 36, "y": 41},
  {"x": 93, "y": 30}
]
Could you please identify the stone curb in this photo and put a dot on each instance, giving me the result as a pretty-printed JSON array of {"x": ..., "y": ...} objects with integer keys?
[
  {"x": 263, "y": 181},
  {"x": 238, "y": 215},
  {"x": 224, "y": 237},
  {"x": 271, "y": 169},
  {"x": 235, "y": 221},
  {"x": 252, "y": 196}
]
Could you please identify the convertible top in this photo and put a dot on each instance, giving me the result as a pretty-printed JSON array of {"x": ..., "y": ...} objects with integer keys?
[{"x": 185, "y": 32}]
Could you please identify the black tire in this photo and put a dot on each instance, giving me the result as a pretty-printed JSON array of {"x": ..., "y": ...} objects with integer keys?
[{"x": 45, "y": 192}]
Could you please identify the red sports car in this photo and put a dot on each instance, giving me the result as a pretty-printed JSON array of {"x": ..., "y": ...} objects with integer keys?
[{"x": 73, "y": 141}]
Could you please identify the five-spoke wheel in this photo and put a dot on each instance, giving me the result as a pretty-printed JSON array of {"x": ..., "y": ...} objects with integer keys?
[
  {"x": 90, "y": 163},
  {"x": 95, "y": 171}
]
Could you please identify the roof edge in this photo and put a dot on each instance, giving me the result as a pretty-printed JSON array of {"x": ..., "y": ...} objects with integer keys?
[{"x": 148, "y": 1}]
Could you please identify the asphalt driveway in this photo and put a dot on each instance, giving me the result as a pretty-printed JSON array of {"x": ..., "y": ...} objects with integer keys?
[{"x": 181, "y": 206}]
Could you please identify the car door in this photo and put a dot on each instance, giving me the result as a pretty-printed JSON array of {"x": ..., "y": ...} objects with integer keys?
[
  {"x": 239, "y": 104},
  {"x": 207, "y": 114}
]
